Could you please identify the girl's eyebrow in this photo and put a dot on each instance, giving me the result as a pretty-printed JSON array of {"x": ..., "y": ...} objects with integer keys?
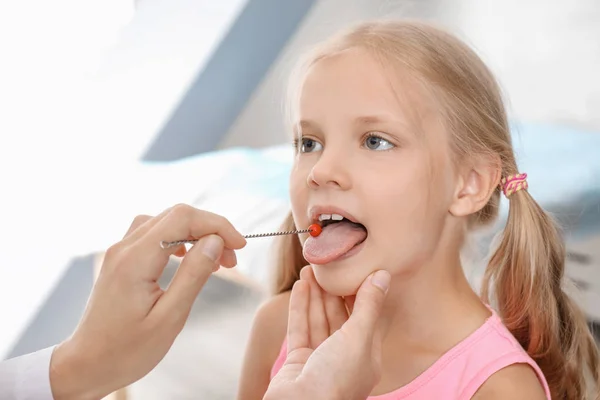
[
  {"x": 308, "y": 124},
  {"x": 376, "y": 119},
  {"x": 387, "y": 120},
  {"x": 362, "y": 120}
]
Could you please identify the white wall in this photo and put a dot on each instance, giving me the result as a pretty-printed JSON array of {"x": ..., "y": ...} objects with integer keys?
[
  {"x": 157, "y": 57},
  {"x": 545, "y": 53}
]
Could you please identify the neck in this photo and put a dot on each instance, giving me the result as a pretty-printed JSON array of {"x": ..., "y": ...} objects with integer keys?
[{"x": 434, "y": 306}]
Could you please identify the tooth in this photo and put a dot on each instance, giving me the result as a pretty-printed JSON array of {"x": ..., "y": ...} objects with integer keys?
[
  {"x": 324, "y": 217},
  {"x": 336, "y": 217}
]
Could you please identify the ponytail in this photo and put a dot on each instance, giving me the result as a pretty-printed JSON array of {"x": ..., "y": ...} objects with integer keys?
[
  {"x": 289, "y": 259},
  {"x": 526, "y": 272}
]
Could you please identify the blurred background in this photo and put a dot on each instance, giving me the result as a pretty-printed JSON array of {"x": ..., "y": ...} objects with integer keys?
[{"x": 114, "y": 108}]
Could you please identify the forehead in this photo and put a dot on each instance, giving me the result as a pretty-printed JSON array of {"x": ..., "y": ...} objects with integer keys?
[{"x": 354, "y": 82}]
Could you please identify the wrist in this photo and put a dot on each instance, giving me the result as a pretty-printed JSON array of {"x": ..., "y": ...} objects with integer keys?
[{"x": 72, "y": 374}]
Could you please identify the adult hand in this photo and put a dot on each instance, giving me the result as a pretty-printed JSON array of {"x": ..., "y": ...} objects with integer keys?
[
  {"x": 330, "y": 355},
  {"x": 130, "y": 322}
]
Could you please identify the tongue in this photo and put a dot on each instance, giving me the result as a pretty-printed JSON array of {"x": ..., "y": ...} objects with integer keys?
[{"x": 335, "y": 240}]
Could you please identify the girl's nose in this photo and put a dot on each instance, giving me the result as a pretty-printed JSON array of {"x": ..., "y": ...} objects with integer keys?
[{"x": 330, "y": 171}]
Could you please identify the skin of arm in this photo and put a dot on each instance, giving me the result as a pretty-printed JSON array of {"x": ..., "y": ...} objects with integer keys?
[{"x": 266, "y": 337}]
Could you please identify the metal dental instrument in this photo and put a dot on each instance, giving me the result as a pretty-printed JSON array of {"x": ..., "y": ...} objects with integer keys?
[{"x": 314, "y": 230}]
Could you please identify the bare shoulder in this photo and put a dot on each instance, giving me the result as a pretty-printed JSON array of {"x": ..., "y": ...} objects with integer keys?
[
  {"x": 270, "y": 321},
  {"x": 264, "y": 344},
  {"x": 517, "y": 381}
]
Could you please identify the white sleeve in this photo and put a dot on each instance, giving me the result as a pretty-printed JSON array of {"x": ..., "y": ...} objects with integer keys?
[{"x": 26, "y": 377}]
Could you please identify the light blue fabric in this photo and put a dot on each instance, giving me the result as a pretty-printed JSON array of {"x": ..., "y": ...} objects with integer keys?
[
  {"x": 562, "y": 164},
  {"x": 265, "y": 172},
  {"x": 563, "y": 172}
]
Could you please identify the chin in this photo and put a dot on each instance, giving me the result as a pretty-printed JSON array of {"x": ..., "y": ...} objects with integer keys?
[{"x": 339, "y": 280}]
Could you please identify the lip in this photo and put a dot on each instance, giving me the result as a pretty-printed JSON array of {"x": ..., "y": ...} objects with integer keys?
[{"x": 315, "y": 211}]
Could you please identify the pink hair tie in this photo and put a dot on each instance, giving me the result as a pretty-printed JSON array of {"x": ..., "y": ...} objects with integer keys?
[{"x": 514, "y": 183}]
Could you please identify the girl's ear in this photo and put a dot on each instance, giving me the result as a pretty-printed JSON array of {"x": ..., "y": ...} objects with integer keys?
[{"x": 476, "y": 184}]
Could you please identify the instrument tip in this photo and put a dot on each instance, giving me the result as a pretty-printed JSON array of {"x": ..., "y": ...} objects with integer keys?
[{"x": 315, "y": 230}]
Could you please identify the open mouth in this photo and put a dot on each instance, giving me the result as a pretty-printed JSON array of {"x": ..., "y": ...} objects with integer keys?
[
  {"x": 339, "y": 237},
  {"x": 355, "y": 225}
]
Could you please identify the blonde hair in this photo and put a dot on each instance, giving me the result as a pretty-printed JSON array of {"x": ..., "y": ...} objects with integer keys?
[{"x": 524, "y": 276}]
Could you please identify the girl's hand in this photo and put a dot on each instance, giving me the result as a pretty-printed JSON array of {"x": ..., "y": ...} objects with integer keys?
[{"x": 330, "y": 355}]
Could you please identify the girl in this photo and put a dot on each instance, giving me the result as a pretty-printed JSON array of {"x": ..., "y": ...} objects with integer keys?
[{"x": 403, "y": 147}]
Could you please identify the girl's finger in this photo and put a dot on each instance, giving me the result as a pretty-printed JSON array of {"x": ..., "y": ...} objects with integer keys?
[{"x": 317, "y": 321}]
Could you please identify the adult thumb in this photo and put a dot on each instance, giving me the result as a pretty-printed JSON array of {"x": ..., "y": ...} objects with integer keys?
[
  {"x": 191, "y": 276},
  {"x": 369, "y": 300}
]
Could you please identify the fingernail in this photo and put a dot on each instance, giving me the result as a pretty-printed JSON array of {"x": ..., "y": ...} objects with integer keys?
[
  {"x": 381, "y": 279},
  {"x": 212, "y": 247}
]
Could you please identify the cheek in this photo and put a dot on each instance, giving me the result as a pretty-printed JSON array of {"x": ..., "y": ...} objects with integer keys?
[
  {"x": 299, "y": 196},
  {"x": 398, "y": 194},
  {"x": 409, "y": 209}
]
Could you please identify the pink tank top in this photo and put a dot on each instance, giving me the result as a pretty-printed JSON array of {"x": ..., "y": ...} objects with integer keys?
[{"x": 461, "y": 371}]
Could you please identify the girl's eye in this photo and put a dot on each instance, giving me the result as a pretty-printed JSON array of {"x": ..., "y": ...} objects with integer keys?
[
  {"x": 309, "y": 145},
  {"x": 377, "y": 143}
]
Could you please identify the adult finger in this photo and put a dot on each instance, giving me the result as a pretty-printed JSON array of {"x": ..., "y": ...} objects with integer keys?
[
  {"x": 317, "y": 321},
  {"x": 377, "y": 344},
  {"x": 142, "y": 223},
  {"x": 179, "y": 251},
  {"x": 335, "y": 311},
  {"x": 228, "y": 259},
  {"x": 369, "y": 301},
  {"x": 141, "y": 229},
  {"x": 192, "y": 274},
  {"x": 298, "y": 334},
  {"x": 183, "y": 221},
  {"x": 137, "y": 222}
]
